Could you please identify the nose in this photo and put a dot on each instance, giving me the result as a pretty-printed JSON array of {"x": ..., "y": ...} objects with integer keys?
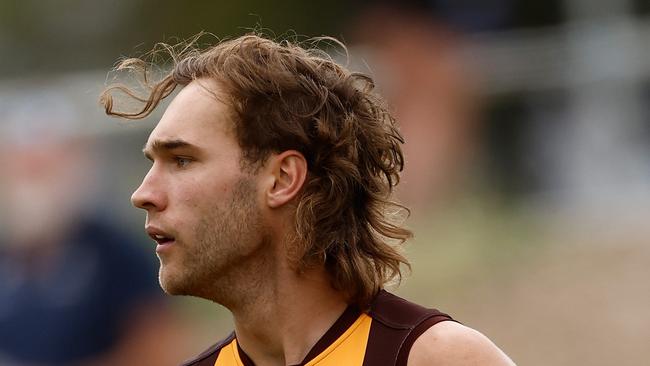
[{"x": 150, "y": 195}]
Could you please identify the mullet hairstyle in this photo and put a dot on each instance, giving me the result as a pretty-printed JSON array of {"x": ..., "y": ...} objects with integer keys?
[{"x": 284, "y": 96}]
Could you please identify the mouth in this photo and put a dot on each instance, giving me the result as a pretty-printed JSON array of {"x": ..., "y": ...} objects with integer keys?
[
  {"x": 159, "y": 236},
  {"x": 161, "y": 240}
]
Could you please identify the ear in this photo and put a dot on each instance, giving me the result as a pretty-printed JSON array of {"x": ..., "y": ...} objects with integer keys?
[{"x": 289, "y": 172}]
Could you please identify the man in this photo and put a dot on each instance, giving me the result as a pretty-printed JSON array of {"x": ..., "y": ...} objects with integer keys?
[
  {"x": 61, "y": 300},
  {"x": 269, "y": 194}
]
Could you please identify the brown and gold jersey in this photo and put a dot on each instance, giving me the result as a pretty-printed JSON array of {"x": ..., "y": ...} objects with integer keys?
[{"x": 382, "y": 336}]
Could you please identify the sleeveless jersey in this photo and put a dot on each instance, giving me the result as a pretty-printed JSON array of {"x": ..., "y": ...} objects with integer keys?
[{"x": 380, "y": 337}]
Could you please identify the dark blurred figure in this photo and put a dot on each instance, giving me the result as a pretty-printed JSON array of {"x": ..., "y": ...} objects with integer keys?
[{"x": 74, "y": 288}]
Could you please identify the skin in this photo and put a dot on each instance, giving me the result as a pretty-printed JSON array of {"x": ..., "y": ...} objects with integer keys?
[
  {"x": 231, "y": 227},
  {"x": 453, "y": 344},
  {"x": 196, "y": 193}
]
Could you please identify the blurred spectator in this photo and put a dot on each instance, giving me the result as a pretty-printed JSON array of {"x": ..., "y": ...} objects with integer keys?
[
  {"x": 420, "y": 69},
  {"x": 74, "y": 288}
]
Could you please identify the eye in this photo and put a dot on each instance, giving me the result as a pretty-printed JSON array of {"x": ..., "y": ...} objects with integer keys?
[{"x": 182, "y": 162}]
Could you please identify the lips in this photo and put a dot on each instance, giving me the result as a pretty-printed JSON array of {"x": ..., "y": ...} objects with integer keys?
[{"x": 159, "y": 236}]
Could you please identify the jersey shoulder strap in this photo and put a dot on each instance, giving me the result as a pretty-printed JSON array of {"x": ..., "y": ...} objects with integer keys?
[
  {"x": 209, "y": 356},
  {"x": 397, "y": 323}
]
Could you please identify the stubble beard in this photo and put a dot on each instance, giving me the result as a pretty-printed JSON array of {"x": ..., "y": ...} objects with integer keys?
[{"x": 230, "y": 243}]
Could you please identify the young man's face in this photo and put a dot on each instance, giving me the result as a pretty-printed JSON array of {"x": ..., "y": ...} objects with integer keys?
[{"x": 202, "y": 208}]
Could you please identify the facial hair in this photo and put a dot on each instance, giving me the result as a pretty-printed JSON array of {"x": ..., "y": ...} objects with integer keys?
[{"x": 229, "y": 243}]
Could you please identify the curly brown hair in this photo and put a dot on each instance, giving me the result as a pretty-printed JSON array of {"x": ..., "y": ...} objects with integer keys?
[{"x": 285, "y": 96}]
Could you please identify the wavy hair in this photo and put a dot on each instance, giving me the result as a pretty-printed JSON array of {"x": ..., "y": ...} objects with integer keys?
[{"x": 290, "y": 95}]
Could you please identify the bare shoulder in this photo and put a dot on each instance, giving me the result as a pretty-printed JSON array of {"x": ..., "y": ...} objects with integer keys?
[{"x": 450, "y": 343}]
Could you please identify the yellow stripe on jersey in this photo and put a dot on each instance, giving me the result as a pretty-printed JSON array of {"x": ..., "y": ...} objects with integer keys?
[
  {"x": 229, "y": 355},
  {"x": 348, "y": 349}
]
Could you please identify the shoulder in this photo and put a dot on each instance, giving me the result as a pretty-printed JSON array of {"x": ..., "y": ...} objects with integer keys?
[{"x": 450, "y": 343}]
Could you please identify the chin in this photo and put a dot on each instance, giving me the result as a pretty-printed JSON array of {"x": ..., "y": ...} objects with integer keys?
[
  {"x": 178, "y": 283},
  {"x": 170, "y": 283}
]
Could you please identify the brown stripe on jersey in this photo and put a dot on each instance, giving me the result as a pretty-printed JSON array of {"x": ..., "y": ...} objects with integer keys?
[
  {"x": 394, "y": 319},
  {"x": 244, "y": 357},
  {"x": 383, "y": 344},
  {"x": 403, "y": 356},
  {"x": 209, "y": 356}
]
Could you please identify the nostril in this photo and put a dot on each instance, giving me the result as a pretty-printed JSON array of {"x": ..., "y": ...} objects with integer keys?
[{"x": 142, "y": 203}]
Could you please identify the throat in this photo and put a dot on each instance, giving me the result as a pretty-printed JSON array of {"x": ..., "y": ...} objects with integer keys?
[{"x": 287, "y": 335}]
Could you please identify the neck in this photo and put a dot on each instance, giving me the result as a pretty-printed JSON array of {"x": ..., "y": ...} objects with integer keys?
[{"x": 286, "y": 315}]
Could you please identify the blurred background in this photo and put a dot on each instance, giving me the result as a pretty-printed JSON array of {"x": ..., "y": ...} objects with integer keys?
[{"x": 528, "y": 170}]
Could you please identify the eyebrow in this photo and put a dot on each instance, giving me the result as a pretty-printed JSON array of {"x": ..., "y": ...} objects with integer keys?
[{"x": 164, "y": 145}]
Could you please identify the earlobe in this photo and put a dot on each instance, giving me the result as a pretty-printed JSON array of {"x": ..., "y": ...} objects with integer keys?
[{"x": 289, "y": 170}]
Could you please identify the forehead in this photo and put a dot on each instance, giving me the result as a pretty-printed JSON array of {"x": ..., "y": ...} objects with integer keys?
[{"x": 196, "y": 115}]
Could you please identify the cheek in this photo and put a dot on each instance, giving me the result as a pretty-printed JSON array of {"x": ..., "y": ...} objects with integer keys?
[
  {"x": 219, "y": 184},
  {"x": 202, "y": 190},
  {"x": 201, "y": 195}
]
